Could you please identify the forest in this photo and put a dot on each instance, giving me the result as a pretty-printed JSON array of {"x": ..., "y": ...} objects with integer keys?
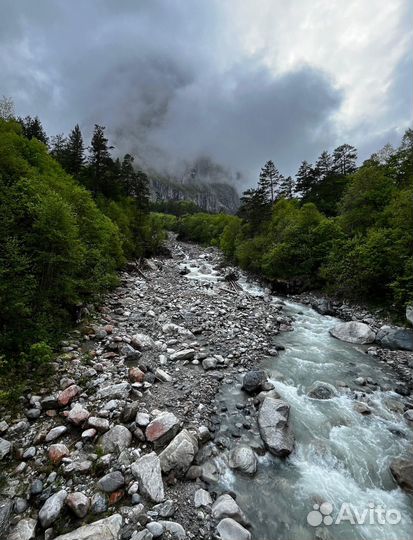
[
  {"x": 337, "y": 228},
  {"x": 71, "y": 216}
]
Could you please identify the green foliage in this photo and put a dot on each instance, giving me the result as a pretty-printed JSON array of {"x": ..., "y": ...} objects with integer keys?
[
  {"x": 351, "y": 232},
  {"x": 204, "y": 228},
  {"x": 57, "y": 249},
  {"x": 176, "y": 208}
]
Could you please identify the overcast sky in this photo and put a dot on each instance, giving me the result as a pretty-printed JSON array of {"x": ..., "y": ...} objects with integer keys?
[{"x": 241, "y": 81}]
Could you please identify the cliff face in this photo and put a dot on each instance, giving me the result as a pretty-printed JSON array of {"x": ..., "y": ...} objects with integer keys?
[{"x": 211, "y": 197}]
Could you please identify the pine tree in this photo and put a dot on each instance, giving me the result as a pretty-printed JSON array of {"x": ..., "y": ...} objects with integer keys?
[
  {"x": 286, "y": 189},
  {"x": 33, "y": 129},
  {"x": 255, "y": 208},
  {"x": 75, "y": 158},
  {"x": 270, "y": 180},
  {"x": 128, "y": 175},
  {"x": 323, "y": 166},
  {"x": 99, "y": 158},
  {"x": 305, "y": 179},
  {"x": 344, "y": 159}
]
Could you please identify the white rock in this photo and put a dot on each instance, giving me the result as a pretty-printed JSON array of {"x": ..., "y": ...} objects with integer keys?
[
  {"x": 353, "y": 332},
  {"x": 104, "y": 529},
  {"x": 229, "y": 529},
  {"x": 202, "y": 498},
  {"x": 24, "y": 530},
  {"x": 147, "y": 470}
]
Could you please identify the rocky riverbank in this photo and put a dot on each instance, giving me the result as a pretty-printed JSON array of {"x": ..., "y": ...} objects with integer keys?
[
  {"x": 119, "y": 433},
  {"x": 125, "y": 439}
]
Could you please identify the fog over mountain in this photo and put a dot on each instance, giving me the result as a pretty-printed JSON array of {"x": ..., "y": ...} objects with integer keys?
[{"x": 237, "y": 82}]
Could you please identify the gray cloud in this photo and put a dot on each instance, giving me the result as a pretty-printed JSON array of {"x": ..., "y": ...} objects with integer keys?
[{"x": 172, "y": 81}]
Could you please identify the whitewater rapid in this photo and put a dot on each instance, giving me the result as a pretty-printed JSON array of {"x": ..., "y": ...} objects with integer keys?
[{"x": 340, "y": 456}]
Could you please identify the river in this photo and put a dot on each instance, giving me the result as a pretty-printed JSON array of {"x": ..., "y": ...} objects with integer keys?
[{"x": 341, "y": 457}]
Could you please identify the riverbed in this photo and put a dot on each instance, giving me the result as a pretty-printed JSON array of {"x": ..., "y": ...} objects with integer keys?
[{"x": 341, "y": 456}]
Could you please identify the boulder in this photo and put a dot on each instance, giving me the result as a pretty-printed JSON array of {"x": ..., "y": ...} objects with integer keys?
[
  {"x": 98, "y": 424},
  {"x": 68, "y": 394},
  {"x": 111, "y": 482},
  {"x": 5, "y": 448},
  {"x": 179, "y": 454},
  {"x": 402, "y": 471},
  {"x": 174, "y": 530},
  {"x": 104, "y": 529},
  {"x": 115, "y": 391},
  {"x": 147, "y": 470},
  {"x": 225, "y": 506},
  {"x": 209, "y": 363},
  {"x": 202, "y": 498},
  {"x": 323, "y": 306},
  {"x": 78, "y": 503},
  {"x": 155, "y": 529},
  {"x": 115, "y": 440},
  {"x": 322, "y": 390},
  {"x": 253, "y": 381},
  {"x": 243, "y": 458},
  {"x": 229, "y": 529},
  {"x": 142, "y": 535},
  {"x": 24, "y": 530},
  {"x": 274, "y": 427},
  {"x": 57, "y": 452},
  {"x": 6, "y": 507},
  {"x": 393, "y": 337},
  {"x": 353, "y": 332},
  {"x": 55, "y": 433},
  {"x": 162, "y": 428},
  {"x": 78, "y": 415},
  {"x": 142, "y": 342},
  {"x": 52, "y": 508},
  {"x": 174, "y": 329},
  {"x": 184, "y": 354},
  {"x": 136, "y": 375}
]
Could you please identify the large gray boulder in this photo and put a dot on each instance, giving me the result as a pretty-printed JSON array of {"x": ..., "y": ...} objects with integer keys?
[
  {"x": 142, "y": 342},
  {"x": 24, "y": 530},
  {"x": 162, "y": 429},
  {"x": 322, "y": 390},
  {"x": 147, "y": 470},
  {"x": 115, "y": 440},
  {"x": 179, "y": 454},
  {"x": 393, "y": 337},
  {"x": 115, "y": 391},
  {"x": 111, "y": 482},
  {"x": 6, "y": 508},
  {"x": 225, "y": 506},
  {"x": 243, "y": 458},
  {"x": 174, "y": 530},
  {"x": 353, "y": 332},
  {"x": 52, "y": 508},
  {"x": 274, "y": 427},
  {"x": 104, "y": 529},
  {"x": 229, "y": 529},
  {"x": 253, "y": 381},
  {"x": 5, "y": 448},
  {"x": 402, "y": 471}
]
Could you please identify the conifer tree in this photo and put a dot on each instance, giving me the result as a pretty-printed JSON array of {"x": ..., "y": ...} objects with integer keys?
[{"x": 75, "y": 158}]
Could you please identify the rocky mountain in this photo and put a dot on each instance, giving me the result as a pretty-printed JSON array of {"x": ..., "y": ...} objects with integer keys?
[{"x": 205, "y": 183}]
